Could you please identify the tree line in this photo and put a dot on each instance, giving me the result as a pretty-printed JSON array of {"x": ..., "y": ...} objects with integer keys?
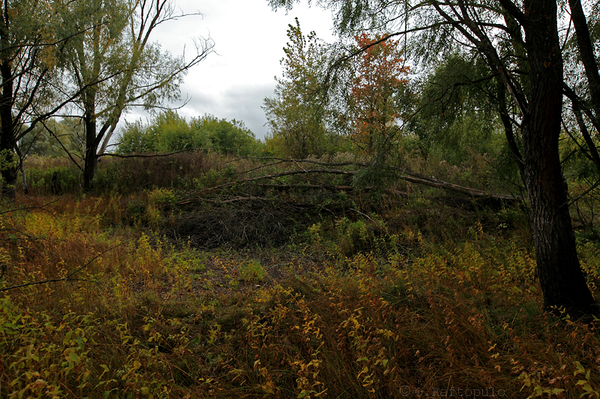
[
  {"x": 369, "y": 102},
  {"x": 163, "y": 132}
]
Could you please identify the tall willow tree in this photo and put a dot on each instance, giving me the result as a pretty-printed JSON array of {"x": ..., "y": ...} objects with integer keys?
[
  {"x": 114, "y": 65},
  {"x": 520, "y": 44}
]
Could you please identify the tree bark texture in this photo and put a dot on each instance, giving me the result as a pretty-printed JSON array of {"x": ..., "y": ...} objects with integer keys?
[
  {"x": 561, "y": 278},
  {"x": 91, "y": 143},
  {"x": 8, "y": 163}
]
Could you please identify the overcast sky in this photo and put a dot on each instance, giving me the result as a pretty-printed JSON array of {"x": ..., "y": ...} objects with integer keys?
[{"x": 249, "y": 39}]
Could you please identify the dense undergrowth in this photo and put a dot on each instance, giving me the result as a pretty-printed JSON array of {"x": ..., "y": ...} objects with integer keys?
[{"x": 211, "y": 289}]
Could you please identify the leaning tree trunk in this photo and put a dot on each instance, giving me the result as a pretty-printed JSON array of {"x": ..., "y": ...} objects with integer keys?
[{"x": 561, "y": 278}]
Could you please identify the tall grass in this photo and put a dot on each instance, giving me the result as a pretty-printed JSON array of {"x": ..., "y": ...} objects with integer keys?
[{"x": 183, "y": 171}]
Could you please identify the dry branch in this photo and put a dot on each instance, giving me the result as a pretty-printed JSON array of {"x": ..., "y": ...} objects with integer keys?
[
  {"x": 412, "y": 177},
  {"x": 195, "y": 193},
  {"x": 158, "y": 155}
]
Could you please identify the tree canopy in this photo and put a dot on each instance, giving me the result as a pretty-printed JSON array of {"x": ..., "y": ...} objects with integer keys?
[
  {"x": 376, "y": 93},
  {"x": 115, "y": 65},
  {"x": 31, "y": 55}
]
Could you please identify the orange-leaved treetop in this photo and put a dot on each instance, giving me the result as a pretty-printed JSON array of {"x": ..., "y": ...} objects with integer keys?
[{"x": 375, "y": 92}]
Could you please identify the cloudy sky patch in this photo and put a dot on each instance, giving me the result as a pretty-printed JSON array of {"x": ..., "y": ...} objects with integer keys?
[{"x": 249, "y": 39}]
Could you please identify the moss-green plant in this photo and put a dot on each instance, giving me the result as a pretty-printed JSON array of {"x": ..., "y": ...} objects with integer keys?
[{"x": 251, "y": 271}]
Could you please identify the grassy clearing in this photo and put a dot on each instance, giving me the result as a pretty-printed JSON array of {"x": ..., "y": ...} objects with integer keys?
[{"x": 371, "y": 298}]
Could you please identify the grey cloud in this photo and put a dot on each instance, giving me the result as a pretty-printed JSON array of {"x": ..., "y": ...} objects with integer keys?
[{"x": 243, "y": 104}]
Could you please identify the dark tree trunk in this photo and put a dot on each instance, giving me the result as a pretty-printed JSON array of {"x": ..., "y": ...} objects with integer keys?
[
  {"x": 561, "y": 278},
  {"x": 89, "y": 171},
  {"x": 8, "y": 163},
  {"x": 91, "y": 144}
]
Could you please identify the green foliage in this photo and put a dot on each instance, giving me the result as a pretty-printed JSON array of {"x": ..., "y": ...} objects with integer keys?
[
  {"x": 576, "y": 163},
  {"x": 228, "y": 137},
  {"x": 252, "y": 271},
  {"x": 133, "y": 139},
  {"x": 298, "y": 115},
  {"x": 169, "y": 132},
  {"x": 64, "y": 138},
  {"x": 39, "y": 367},
  {"x": 454, "y": 117}
]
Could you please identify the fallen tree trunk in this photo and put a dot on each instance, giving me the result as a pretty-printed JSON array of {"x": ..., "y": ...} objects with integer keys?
[
  {"x": 473, "y": 192},
  {"x": 405, "y": 175}
]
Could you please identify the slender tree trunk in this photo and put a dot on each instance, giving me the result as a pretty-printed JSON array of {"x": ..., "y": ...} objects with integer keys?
[
  {"x": 561, "y": 278},
  {"x": 91, "y": 148},
  {"x": 89, "y": 171},
  {"x": 8, "y": 163},
  {"x": 509, "y": 131}
]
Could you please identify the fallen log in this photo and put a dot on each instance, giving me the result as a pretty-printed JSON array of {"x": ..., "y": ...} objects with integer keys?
[
  {"x": 473, "y": 192},
  {"x": 405, "y": 175}
]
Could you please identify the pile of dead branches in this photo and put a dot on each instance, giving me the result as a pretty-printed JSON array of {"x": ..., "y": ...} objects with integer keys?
[
  {"x": 267, "y": 204},
  {"x": 315, "y": 175}
]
